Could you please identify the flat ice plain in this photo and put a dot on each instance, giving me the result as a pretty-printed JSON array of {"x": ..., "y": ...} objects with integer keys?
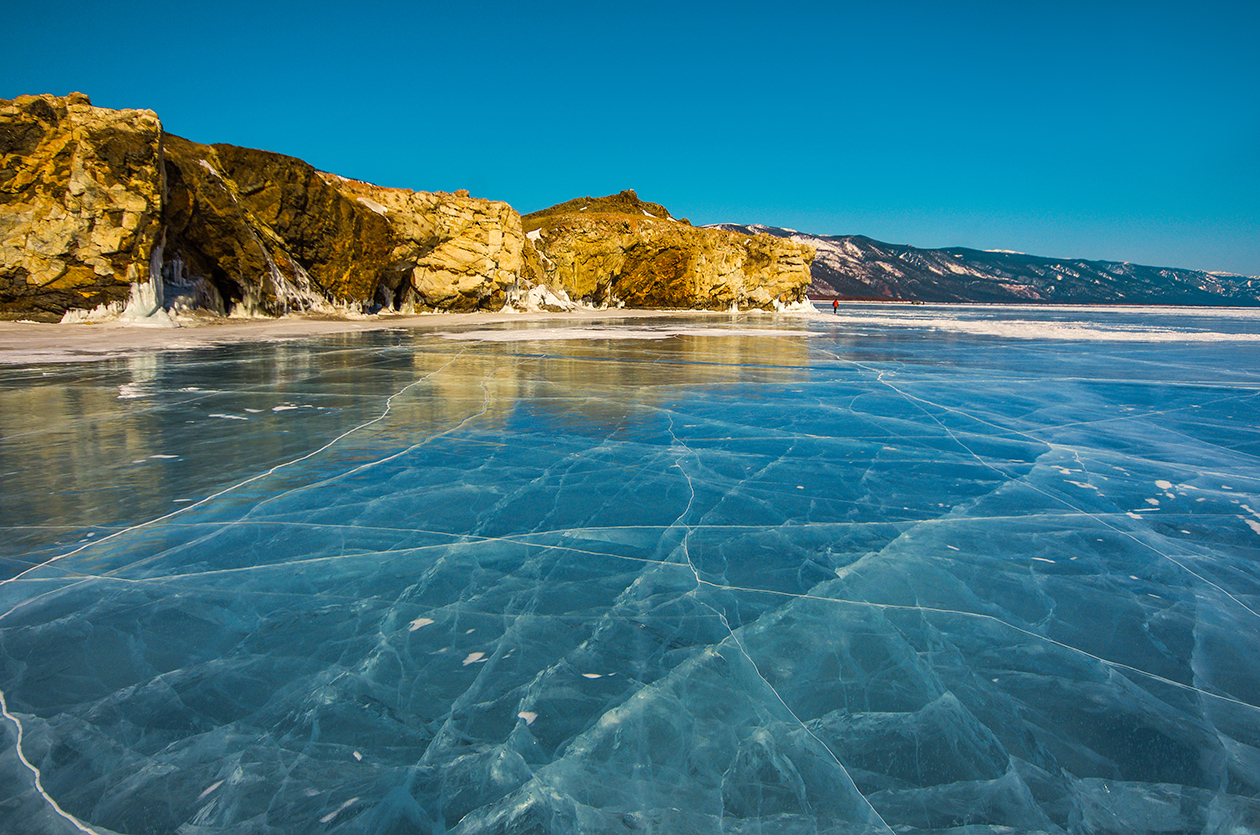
[{"x": 907, "y": 569}]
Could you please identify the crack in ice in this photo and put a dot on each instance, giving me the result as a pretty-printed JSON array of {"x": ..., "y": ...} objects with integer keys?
[
  {"x": 35, "y": 773},
  {"x": 683, "y": 545}
]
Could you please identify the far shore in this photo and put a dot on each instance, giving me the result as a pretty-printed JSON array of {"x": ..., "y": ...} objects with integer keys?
[{"x": 24, "y": 343}]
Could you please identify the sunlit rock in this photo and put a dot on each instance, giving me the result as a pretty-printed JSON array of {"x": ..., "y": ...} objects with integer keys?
[
  {"x": 620, "y": 249},
  {"x": 80, "y": 203}
]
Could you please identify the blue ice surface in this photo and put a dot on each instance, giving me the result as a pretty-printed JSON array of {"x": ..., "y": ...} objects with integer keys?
[{"x": 909, "y": 569}]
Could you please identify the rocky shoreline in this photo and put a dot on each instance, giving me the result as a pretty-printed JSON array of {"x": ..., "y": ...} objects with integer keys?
[{"x": 105, "y": 213}]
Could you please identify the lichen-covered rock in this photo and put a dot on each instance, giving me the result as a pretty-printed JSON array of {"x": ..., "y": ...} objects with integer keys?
[
  {"x": 80, "y": 203},
  {"x": 619, "y": 249}
]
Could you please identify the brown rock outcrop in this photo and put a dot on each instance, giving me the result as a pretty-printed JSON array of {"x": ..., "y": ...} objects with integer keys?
[
  {"x": 80, "y": 203},
  {"x": 621, "y": 249}
]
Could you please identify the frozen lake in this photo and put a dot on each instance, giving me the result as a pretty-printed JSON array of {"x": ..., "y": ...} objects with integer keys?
[{"x": 906, "y": 569}]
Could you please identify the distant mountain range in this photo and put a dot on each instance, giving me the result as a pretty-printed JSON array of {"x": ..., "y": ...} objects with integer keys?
[{"x": 857, "y": 267}]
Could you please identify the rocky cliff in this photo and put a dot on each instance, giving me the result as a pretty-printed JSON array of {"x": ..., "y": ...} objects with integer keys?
[
  {"x": 620, "y": 249},
  {"x": 271, "y": 232},
  {"x": 80, "y": 203},
  {"x": 95, "y": 203}
]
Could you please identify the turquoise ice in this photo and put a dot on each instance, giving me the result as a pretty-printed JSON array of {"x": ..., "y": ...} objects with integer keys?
[{"x": 909, "y": 569}]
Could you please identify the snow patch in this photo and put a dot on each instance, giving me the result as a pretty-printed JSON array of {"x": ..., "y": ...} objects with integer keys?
[
  {"x": 373, "y": 205},
  {"x": 799, "y": 306},
  {"x": 537, "y": 298}
]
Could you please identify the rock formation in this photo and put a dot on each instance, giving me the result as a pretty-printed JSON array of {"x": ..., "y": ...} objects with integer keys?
[
  {"x": 80, "y": 203},
  {"x": 622, "y": 249},
  {"x": 95, "y": 203},
  {"x": 450, "y": 251},
  {"x": 271, "y": 232}
]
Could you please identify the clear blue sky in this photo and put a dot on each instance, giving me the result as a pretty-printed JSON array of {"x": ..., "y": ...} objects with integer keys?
[{"x": 1124, "y": 131}]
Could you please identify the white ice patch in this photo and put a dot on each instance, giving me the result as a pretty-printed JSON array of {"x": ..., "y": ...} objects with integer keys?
[
  {"x": 528, "y": 715},
  {"x": 417, "y": 623},
  {"x": 229, "y": 417},
  {"x": 801, "y": 306},
  {"x": 328, "y": 817},
  {"x": 98, "y": 314},
  {"x": 209, "y": 789},
  {"x": 592, "y": 675},
  {"x": 144, "y": 307},
  {"x": 538, "y": 298},
  {"x": 1163, "y": 485},
  {"x": 534, "y": 235},
  {"x": 473, "y": 658},
  {"x": 373, "y": 205},
  {"x": 1029, "y": 329},
  {"x": 1252, "y": 523}
]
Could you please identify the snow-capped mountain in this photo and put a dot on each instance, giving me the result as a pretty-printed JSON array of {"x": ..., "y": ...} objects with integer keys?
[{"x": 857, "y": 267}]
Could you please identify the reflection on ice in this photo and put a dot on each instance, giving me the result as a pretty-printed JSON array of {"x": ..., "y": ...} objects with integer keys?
[
  {"x": 618, "y": 332},
  {"x": 736, "y": 581}
]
